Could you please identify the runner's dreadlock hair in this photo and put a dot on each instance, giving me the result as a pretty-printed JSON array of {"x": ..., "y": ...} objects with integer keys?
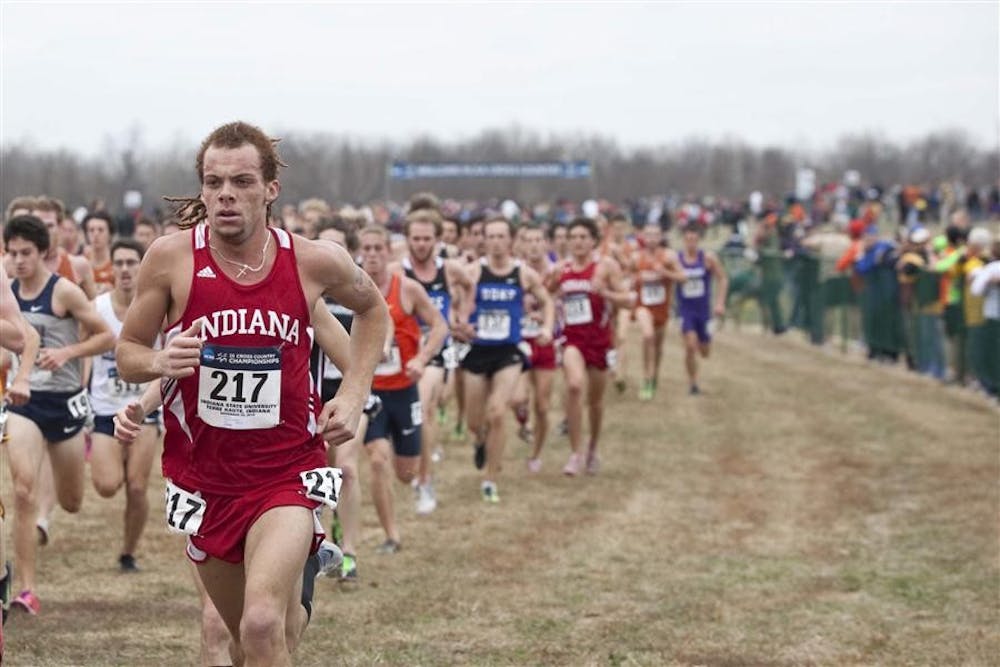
[{"x": 191, "y": 210}]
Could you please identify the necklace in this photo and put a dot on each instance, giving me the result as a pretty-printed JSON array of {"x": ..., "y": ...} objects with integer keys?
[{"x": 243, "y": 266}]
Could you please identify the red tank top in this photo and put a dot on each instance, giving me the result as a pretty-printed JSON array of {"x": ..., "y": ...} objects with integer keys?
[
  {"x": 248, "y": 415},
  {"x": 391, "y": 373},
  {"x": 586, "y": 315}
]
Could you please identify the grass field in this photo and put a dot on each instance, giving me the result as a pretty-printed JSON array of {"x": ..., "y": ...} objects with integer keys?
[{"x": 807, "y": 509}]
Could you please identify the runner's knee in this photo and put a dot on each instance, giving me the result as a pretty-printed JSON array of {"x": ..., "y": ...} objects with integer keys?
[{"x": 261, "y": 624}]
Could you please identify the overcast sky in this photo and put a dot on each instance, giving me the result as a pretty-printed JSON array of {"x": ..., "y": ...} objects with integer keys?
[{"x": 789, "y": 74}]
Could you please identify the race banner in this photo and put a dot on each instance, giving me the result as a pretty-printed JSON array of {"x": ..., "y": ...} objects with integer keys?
[{"x": 408, "y": 171}]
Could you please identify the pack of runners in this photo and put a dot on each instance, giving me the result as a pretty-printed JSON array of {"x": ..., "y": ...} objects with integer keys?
[{"x": 266, "y": 362}]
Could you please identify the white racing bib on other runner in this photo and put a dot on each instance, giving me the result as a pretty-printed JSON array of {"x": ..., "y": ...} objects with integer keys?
[
  {"x": 693, "y": 288},
  {"x": 240, "y": 387},
  {"x": 78, "y": 405},
  {"x": 653, "y": 294},
  {"x": 323, "y": 485},
  {"x": 185, "y": 510},
  {"x": 392, "y": 364},
  {"x": 530, "y": 327},
  {"x": 493, "y": 325},
  {"x": 576, "y": 309}
]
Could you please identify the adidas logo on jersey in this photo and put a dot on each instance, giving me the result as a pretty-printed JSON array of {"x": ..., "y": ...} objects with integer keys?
[{"x": 207, "y": 272}]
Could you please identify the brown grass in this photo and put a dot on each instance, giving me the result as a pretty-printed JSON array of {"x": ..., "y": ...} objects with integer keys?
[{"x": 808, "y": 509}]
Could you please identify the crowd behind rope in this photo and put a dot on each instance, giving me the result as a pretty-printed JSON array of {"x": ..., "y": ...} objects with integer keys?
[{"x": 915, "y": 275}]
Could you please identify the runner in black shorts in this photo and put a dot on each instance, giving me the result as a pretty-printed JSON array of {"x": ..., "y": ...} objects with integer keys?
[
  {"x": 55, "y": 415},
  {"x": 494, "y": 362}
]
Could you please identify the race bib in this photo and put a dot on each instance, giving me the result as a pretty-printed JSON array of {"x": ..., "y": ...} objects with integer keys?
[
  {"x": 323, "y": 485},
  {"x": 493, "y": 325},
  {"x": 693, "y": 288},
  {"x": 576, "y": 309},
  {"x": 120, "y": 388},
  {"x": 530, "y": 327},
  {"x": 392, "y": 364},
  {"x": 240, "y": 387},
  {"x": 450, "y": 356},
  {"x": 653, "y": 294},
  {"x": 185, "y": 510},
  {"x": 78, "y": 405}
]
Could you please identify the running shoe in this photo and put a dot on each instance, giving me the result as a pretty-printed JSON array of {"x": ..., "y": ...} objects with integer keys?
[
  {"x": 694, "y": 391},
  {"x": 330, "y": 558},
  {"x": 490, "y": 492},
  {"x": 390, "y": 546},
  {"x": 27, "y": 601},
  {"x": 564, "y": 427},
  {"x": 479, "y": 456},
  {"x": 437, "y": 455},
  {"x": 572, "y": 467},
  {"x": 42, "y": 525},
  {"x": 534, "y": 466},
  {"x": 593, "y": 463},
  {"x": 126, "y": 563},
  {"x": 620, "y": 386},
  {"x": 349, "y": 570},
  {"x": 458, "y": 433},
  {"x": 646, "y": 391},
  {"x": 524, "y": 433},
  {"x": 442, "y": 416},
  {"x": 426, "y": 500}
]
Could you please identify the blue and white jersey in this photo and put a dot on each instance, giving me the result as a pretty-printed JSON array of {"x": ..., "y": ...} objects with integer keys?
[{"x": 499, "y": 307}]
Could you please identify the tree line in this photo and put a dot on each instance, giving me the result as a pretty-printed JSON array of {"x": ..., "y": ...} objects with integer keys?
[{"x": 341, "y": 169}]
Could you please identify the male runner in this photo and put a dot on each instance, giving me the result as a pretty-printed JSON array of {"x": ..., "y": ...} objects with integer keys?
[
  {"x": 100, "y": 230},
  {"x": 543, "y": 359},
  {"x": 494, "y": 361},
  {"x": 693, "y": 300},
  {"x": 589, "y": 289},
  {"x": 396, "y": 379},
  {"x": 54, "y": 417},
  {"x": 243, "y": 452},
  {"x": 111, "y": 464},
  {"x": 656, "y": 270},
  {"x": 446, "y": 284}
]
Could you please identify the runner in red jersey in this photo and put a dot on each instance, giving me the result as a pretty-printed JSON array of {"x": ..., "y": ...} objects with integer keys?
[
  {"x": 589, "y": 288},
  {"x": 240, "y": 299}
]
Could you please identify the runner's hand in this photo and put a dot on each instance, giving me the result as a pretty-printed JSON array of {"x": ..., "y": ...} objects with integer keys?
[
  {"x": 339, "y": 421},
  {"x": 182, "y": 354},
  {"x": 19, "y": 392},
  {"x": 414, "y": 369},
  {"x": 52, "y": 358},
  {"x": 128, "y": 423}
]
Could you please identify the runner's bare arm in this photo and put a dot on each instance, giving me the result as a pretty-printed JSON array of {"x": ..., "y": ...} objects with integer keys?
[
  {"x": 99, "y": 338},
  {"x": 719, "y": 273},
  {"x": 674, "y": 270},
  {"x": 19, "y": 389},
  {"x": 331, "y": 336},
  {"x": 533, "y": 283},
  {"x": 460, "y": 287},
  {"x": 612, "y": 287},
  {"x": 86, "y": 274},
  {"x": 12, "y": 333}
]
